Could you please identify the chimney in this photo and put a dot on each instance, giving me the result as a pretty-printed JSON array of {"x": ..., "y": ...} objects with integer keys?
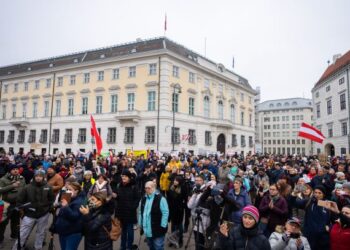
[{"x": 336, "y": 57}]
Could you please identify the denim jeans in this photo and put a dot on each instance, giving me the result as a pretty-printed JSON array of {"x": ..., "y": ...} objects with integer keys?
[
  {"x": 127, "y": 236},
  {"x": 156, "y": 243},
  {"x": 70, "y": 242}
]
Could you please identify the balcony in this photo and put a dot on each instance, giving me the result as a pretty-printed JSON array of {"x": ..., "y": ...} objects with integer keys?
[
  {"x": 19, "y": 122},
  {"x": 128, "y": 115},
  {"x": 221, "y": 123}
]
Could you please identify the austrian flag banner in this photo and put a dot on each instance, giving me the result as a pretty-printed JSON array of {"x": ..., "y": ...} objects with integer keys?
[{"x": 309, "y": 132}]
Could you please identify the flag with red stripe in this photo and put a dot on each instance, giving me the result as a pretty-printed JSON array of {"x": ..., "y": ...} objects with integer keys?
[
  {"x": 309, "y": 132},
  {"x": 96, "y": 134}
]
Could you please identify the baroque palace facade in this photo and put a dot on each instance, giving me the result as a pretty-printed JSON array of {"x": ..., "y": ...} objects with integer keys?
[{"x": 149, "y": 94}]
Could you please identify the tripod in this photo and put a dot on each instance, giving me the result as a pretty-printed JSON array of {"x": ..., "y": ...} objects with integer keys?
[{"x": 197, "y": 222}]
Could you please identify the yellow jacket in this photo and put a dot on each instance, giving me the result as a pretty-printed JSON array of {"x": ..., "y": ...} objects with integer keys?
[{"x": 164, "y": 181}]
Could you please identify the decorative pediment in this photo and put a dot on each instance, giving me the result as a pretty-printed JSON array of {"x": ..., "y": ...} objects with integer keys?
[
  {"x": 72, "y": 92},
  {"x": 192, "y": 91},
  {"x": 114, "y": 87},
  {"x": 151, "y": 84},
  {"x": 250, "y": 109},
  {"x": 131, "y": 86},
  {"x": 35, "y": 97},
  {"x": 99, "y": 89},
  {"x": 242, "y": 107},
  {"x": 221, "y": 97},
  {"x": 85, "y": 91},
  {"x": 59, "y": 94},
  {"x": 207, "y": 92},
  {"x": 47, "y": 95},
  {"x": 23, "y": 98},
  {"x": 14, "y": 99},
  {"x": 4, "y": 100},
  {"x": 233, "y": 100}
]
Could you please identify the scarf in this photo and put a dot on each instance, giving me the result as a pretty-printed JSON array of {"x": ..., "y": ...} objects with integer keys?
[{"x": 100, "y": 186}]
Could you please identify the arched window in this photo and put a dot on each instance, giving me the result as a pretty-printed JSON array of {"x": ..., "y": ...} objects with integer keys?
[
  {"x": 279, "y": 104},
  {"x": 271, "y": 105},
  {"x": 220, "y": 110},
  {"x": 294, "y": 103},
  {"x": 206, "y": 106},
  {"x": 286, "y": 104},
  {"x": 232, "y": 113}
]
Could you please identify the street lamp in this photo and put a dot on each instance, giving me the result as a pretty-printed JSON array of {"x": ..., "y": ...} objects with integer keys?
[{"x": 176, "y": 90}]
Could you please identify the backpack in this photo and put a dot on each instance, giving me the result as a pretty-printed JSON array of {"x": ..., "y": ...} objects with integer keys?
[{"x": 116, "y": 229}]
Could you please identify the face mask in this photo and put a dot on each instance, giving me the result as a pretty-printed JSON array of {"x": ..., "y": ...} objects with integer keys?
[{"x": 92, "y": 205}]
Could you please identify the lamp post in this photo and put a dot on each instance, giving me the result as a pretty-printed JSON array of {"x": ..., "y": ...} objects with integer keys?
[{"x": 176, "y": 90}]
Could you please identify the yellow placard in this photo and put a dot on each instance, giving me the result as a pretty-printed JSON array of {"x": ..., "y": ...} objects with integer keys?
[{"x": 136, "y": 153}]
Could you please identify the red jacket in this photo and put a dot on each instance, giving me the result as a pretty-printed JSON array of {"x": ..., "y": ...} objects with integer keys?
[{"x": 340, "y": 237}]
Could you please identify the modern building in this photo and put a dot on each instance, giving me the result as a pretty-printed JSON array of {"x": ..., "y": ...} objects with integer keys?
[
  {"x": 279, "y": 123},
  {"x": 331, "y": 107},
  {"x": 149, "y": 94}
]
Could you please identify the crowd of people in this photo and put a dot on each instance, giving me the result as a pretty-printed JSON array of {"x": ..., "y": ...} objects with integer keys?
[{"x": 225, "y": 202}]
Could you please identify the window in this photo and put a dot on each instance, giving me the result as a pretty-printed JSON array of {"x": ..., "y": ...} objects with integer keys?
[
  {"x": 131, "y": 101},
  {"x": 14, "y": 109},
  {"x": 86, "y": 78},
  {"x": 21, "y": 136},
  {"x": 56, "y": 136},
  {"x": 43, "y": 136},
  {"x": 60, "y": 81},
  {"x": 15, "y": 86},
  {"x": 72, "y": 80},
  {"x": 150, "y": 134},
  {"x": 242, "y": 118},
  {"x": 37, "y": 84},
  {"x": 250, "y": 100},
  {"x": 192, "y": 140},
  {"x": 98, "y": 104},
  {"x": 26, "y": 86},
  {"x": 220, "y": 88},
  {"x": 342, "y": 102},
  {"x": 24, "y": 110},
  {"x": 318, "y": 110},
  {"x": 82, "y": 135},
  {"x": 129, "y": 135},
  {"x": 330, "y": 130},
  {"x": 317, "y": 94},
  {"x": 341, "y": 80},
  {"x": 151, "y": 101},
  {"x": 175, "y": 102},
  {"x": 112, "y": 135},
  {"x": 58, "y": 107},
  {"x": 344, "y": 128},
  {"x": 207, "y": 138},
  {"x": 251, "y": 141},
  {"x": 4, "y": 112},
  {"x": 175, "y": 135},
  {"x": 232, "y": 113},
  {"x": 68, "y": 137},
  {"x": 191, "y": 77},
  {"x": 35, "y": 110},
  {"x": 85, "y": 104},
  {"x": 115, "y": 74},
  {"x": 32, "y": 136},
  {"x": 243, "y": 141},
  {"x": 46, "y": 108},
  {"x": 191, "y": 106},
  {"x": 48, "y": 83},
  {"x": 176, "y": 71},
  {"x": 342, "y": 151},
  {"x": 329, "y": 107},
  {"x": 220, "y": 110},
  {"x": 11, "y": 136},
  {"x": 114, "y": 103},
  {"x": 2, "y": 136},
  {"x": 251, "y": 120},
  {"x": 234, "y": 140},
  {"x": 6, "y": 88},
  {"x": 206, "y": 83},
  {"x": 242, "y": 97},
  {"x": 132, "y": 71},
  {"x": 71, "y": 106},
  {"x": 206, "y": 107},
  {"x": 328, "y": 88},
  {"x": 101, "y": 76},
  {"x": 153, "y": 69}
]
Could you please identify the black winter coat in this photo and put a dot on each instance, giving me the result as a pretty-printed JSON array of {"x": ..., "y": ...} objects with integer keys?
[
  {"x": 127, "y": 202},
  {"x": 240, "y": 238},
  {"x": 41, "y": 197},
  {"x": 177, "y": 203},
  {"x": 96, "y": 237}
]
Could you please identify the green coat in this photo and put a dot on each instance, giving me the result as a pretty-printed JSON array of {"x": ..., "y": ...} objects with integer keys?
[{"x": 7, "y": 191}]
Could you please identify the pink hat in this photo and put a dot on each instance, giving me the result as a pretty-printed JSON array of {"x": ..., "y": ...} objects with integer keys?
[{"x": 252, "y": 211}]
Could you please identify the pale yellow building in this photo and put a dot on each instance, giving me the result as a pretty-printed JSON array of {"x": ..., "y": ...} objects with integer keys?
[{"x": 131, "y": 90}]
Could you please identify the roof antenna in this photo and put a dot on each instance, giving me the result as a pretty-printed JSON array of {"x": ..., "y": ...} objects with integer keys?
[
  {"x": 328, "y": 62},
  {"x": 205, "y": 47}
]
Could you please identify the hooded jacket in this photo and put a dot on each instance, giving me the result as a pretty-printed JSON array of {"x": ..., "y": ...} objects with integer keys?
[{"x": 7, "y": 191}]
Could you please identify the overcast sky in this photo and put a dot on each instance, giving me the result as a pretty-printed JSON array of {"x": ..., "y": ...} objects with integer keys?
[{"x": 281, "y": 46}]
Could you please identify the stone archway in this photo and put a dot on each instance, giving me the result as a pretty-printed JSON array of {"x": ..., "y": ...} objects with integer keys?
[
  {"x": 329, "y": 149},
  {"x": 221, "y": 144}
]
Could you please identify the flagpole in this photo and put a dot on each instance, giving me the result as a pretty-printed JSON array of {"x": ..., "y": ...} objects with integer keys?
[{"x": 165, "y": 25}]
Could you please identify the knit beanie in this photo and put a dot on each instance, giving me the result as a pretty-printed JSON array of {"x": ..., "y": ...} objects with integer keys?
[
  {"x": 39, "y": 172},
  {"x": 321, "y": 188},
  {"x": 252, "y": 211}
]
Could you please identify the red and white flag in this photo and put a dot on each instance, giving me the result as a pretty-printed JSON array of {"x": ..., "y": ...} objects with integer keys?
[
  {"x": 309, "y": 132},
  {"x": 96, "y": 134}
]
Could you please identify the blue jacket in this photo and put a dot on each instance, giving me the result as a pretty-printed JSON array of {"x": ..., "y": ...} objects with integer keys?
[
  {"x": 242, "y": 199},
  {"x": 69, "y": 218}
]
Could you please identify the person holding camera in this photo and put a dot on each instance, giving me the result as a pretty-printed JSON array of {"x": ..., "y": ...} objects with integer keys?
[
  {"x": 200, "y": 215},
  {"x": 68, "y": 224},
  {"x": 289, "y": 237}
]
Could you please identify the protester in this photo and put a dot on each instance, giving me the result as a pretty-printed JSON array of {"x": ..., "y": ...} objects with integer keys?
[
  {"x": 340, "y": 232},
  {"x": 101, "y": 185},
  {"x": 54, "y": 180},
  {"x": 88, "y": 181}
]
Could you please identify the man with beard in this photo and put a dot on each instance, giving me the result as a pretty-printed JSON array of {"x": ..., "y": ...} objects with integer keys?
[
  {"x": 54, "y": 180},
  {"x": 10, "y": 185},
  {"x": 40, "y": 196}
]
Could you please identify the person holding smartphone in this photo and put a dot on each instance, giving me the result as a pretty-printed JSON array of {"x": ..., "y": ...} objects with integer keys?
[{"x": 290, "y": 237}]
